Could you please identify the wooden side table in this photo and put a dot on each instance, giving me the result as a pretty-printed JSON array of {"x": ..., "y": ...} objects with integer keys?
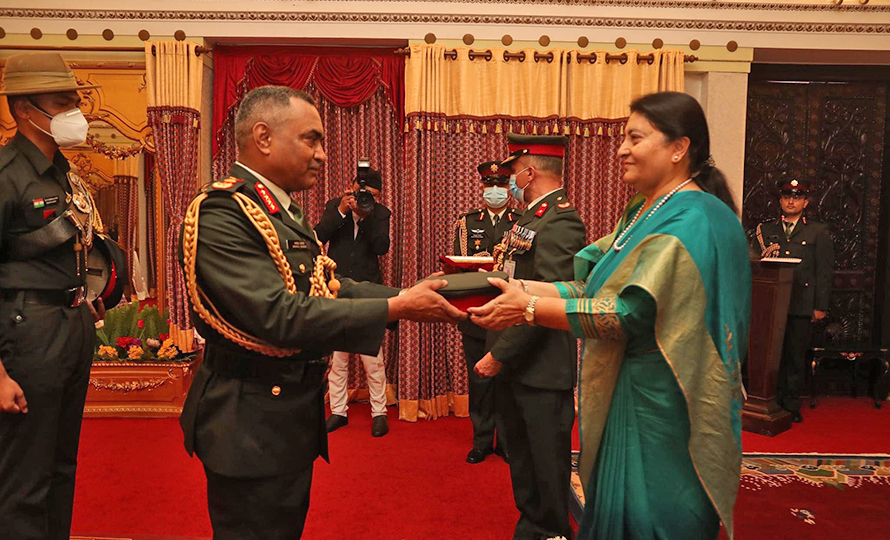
[{"x": 877, "y": 381}]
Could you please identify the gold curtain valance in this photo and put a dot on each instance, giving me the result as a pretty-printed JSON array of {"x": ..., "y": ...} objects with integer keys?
[
  {"x": 127, "y": 169},
  {"x": 560, "y": 88},
  {"x": 168, "y": 64}
]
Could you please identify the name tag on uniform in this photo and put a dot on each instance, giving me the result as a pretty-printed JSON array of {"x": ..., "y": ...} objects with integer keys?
[
  {"x": 292, "y": 245},
  {"x": 510, "y": 268},
  {"x": 40, "y": 203}
]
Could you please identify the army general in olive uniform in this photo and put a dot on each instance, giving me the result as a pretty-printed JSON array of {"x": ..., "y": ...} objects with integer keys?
[
  {"x": 261, "y": 291},
  {"x": 538, "y": 366},
  {"x": 476, "y": 233},
  {"x": 794, "y": 236},
  {"x": 47, "y": 331}
]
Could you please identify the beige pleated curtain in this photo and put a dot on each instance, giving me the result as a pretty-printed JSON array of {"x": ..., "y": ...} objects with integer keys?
[
  {"x": 529, "y": 89},
  {"x": 173, "y": 73}
]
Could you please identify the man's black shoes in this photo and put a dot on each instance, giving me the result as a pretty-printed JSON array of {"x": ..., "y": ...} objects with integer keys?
[
  {"x": 335, "y": 422},
  {"x": 379, "y": 426}
]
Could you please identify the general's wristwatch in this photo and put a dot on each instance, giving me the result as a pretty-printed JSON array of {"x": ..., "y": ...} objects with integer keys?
[{"x": 530, "y": 310}]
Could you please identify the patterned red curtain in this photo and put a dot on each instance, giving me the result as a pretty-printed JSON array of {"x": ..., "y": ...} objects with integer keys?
[
  {"x": 440, "y": 182},
  {"x": 128, "y": 218},
  {"x": 344, "y": 76},
  {"x": 371, "y": 130},
  {"x": 176, "y": 131},
  {"x": 429, "y": 178},
  {"x": 150, "y": 255}
]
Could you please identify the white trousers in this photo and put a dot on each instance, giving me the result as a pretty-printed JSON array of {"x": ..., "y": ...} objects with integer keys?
[{"x": 338, "y": 380}]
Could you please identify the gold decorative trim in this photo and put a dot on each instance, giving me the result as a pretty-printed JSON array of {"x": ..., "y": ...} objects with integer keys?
[
  {"x": 437, "y": 18},
  {"x": 88, "y": 409},
  {"x": 113, "y": 152},
  {"x": 182, "y": 365},
  {"x": 670, "y": 4},
  {"x": 134, "y": 385}
]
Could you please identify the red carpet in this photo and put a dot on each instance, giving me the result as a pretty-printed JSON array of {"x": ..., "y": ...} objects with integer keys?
[
  {"x": 135, "y": 479},
  {"x": 838, "y": 425}
]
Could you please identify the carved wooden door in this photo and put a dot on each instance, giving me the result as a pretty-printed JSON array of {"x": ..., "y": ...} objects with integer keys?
[{"x": 831, "y": 135}]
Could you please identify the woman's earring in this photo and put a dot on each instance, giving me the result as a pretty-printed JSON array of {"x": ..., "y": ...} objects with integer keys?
[{"x": 676, "y": 158}]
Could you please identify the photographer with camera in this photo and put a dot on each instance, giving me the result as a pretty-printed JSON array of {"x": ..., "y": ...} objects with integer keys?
[{"x": 357, "y": 228}]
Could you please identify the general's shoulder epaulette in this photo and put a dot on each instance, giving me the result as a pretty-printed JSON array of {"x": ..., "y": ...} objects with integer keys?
[
  {"x": 563, "y": 205},
  {"x": 475, "y": 211},
  {"x": 230, "y": 184}
]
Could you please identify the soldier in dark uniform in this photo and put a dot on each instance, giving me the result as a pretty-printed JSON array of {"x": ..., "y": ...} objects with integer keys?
[
  {"x": 476, "y": 233},
  {"x": 537, "y": 366},
  {"x": 47, "y": 221},
  {"x": 794, "y": 236},
  {"x": 262, "y": 290}
]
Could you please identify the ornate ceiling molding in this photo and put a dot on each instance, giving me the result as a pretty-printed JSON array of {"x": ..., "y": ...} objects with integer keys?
[
  {"x": 669, "y": 4},
  {"x": 413, "y": 18}
]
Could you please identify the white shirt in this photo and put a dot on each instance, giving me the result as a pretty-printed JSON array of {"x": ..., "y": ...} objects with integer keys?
[
  {"x": 283, "y": 197},
  {"x": 541, "y": 198},
  {"x": 500, "y": 215},
  {"x": 355, "y": 223}
]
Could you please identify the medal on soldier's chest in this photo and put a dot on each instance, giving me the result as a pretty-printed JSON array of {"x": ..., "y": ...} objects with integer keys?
[{"x": 517, "y": 240}]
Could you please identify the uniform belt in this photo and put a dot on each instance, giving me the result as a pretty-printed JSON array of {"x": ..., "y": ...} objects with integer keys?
[
  {"x": 50, "y": 297},
  {"x": 262, "y": 369}
]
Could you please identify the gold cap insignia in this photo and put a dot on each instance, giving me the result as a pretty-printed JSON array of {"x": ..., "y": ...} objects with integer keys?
[{"x": 794, "y": 183}]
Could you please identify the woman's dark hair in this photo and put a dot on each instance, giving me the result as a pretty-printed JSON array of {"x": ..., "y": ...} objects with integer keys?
[{"x": 679, "y": 115}]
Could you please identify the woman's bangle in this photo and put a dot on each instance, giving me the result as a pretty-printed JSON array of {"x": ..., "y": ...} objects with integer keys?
[{"x": 524, "y": 286}]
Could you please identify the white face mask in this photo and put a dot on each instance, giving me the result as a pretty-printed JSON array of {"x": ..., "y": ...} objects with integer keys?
[
  {"x": 68, "y": 128},
  {"x": 495, "y": 196}
]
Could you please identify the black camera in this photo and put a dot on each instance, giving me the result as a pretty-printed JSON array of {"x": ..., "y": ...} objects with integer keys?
[{"x": 364, "y": 199}]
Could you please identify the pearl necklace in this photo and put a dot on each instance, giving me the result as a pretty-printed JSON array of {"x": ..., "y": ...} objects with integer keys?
[{"x": 625, "y": 236}]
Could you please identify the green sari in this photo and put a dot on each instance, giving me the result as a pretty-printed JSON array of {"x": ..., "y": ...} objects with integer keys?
[{"x": 666, "y": 326}]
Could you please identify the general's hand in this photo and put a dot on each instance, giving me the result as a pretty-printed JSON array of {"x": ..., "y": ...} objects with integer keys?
[
  {"x": 12, "y": 398},
  {"x": 819, "y": 315},
  {"x": 488, "y": 366},
  {"x": 423, "y": 304},
  {"x": 504, "y": 311}
]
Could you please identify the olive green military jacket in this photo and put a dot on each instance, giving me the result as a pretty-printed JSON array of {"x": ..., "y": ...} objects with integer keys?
[
  {"x": 811, "y": 242},
  {"x": 532, "y": 355},
  {"x": 33, "y": 193},
  {"x": 259, "y": 428},
  {"x": 474, "y": 233}
]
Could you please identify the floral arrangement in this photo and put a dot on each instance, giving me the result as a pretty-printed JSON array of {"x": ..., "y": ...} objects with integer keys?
[{"x": 134, "y": 335}]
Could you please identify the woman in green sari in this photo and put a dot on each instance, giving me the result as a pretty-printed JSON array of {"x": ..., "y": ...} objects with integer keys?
[{"x": 663, "y": 304}]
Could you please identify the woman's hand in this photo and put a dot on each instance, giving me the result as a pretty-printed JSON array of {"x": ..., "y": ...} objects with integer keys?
[{"x": 504, "y": 311}]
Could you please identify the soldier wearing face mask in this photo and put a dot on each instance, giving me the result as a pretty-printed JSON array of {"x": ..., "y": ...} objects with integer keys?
[
  {"x": 47, "y": 332},
  {"x": 476, "y": 233}
]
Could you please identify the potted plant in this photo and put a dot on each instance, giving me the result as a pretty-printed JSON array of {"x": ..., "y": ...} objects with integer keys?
[{"x": 137, "y": 370}]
